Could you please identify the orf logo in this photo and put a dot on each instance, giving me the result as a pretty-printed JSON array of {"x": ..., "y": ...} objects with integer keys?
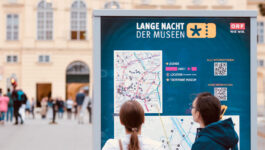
[
  {"x": 237, "y": 26},
  {"x": 201, "y": 30}
]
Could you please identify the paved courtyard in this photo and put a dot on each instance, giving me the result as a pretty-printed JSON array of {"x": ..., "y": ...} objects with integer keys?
[
  {"x": 261, "y": 133},
  {"x": 39, "y": 135}
]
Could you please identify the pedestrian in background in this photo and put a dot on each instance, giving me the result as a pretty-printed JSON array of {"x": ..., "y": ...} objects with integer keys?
[
  {"x": 3, "y": 106},
  {"x": 75, "y": 110},
  {"x": 49, "y": 108},
  {"x": 23, "y": 98},
  {"x": 44, "y": 107},
  {"x": 80, "y": 97},
  {"x": 69, "y": 106},
  {"x": 55, "y": 106},
  {"x": 88, "y": 104},
  {"x": 19, "y": 98},
  {"x": 9, "y": 114},
  {"x": 33, "y": 103},
  {"x": 28, "y": 108},
  {"x": 60, "y": 108},
  {"x": 84, "y": 105}
]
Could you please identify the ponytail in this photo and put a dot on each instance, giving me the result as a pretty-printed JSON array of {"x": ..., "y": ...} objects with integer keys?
[
  {"x": 134, "y": 141},
  {"x": 132, "y": 117}
]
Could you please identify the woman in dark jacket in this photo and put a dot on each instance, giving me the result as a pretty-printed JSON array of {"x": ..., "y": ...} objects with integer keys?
[{"x": 213, "y": 133}]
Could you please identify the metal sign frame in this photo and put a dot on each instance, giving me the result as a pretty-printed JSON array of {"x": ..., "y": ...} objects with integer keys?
[{"x": 97, "y": 14}]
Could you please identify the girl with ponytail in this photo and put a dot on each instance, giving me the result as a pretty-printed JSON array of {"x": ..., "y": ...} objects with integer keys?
[{"x": 132, "y": 118}]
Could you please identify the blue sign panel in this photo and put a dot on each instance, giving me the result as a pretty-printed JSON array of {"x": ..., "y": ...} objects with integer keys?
[{"x": 163, "y": 63}]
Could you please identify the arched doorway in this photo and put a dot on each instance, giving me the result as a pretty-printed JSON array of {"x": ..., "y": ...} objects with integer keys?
[{"x": 77, "y": 77}]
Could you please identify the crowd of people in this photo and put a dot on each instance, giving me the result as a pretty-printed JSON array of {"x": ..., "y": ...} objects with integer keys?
[
  {"x": 50, "y": 107},
  {"x": 13, "y": 103},
  {"x": 17, "y": 104}
]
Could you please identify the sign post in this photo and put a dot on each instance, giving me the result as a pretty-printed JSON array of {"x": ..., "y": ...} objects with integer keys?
[{"x": 163, "y": 59}]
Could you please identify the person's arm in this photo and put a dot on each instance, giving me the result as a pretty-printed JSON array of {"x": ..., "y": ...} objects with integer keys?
[{"x": 111, "y": 144}]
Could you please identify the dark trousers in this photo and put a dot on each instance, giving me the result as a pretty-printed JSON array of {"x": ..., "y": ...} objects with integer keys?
[
  {"x": 32, "y": 112},
  {"x": 16, "y": 112},
  {"x": 90, "y": 115},
  {"x": 53, "y": 115}
]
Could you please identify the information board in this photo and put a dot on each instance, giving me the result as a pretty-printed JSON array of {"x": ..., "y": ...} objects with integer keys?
[{"x": 164, "y": 61}]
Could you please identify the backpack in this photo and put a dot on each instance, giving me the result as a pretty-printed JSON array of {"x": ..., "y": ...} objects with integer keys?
[{"x": 21, "y": 96}]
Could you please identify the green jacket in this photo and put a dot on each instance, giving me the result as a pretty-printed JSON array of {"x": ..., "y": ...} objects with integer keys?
[{"x": 11, "y": 102}]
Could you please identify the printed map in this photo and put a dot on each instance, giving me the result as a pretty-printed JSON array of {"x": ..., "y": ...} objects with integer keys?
[{"x": 138, "y": 76}]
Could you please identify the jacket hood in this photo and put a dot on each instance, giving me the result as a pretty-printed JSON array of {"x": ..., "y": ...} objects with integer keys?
[{"x": 221, "y": 132}]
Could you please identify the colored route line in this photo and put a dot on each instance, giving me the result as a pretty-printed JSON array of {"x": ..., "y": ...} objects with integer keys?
[
  {"x": 164, "y": 129},
  {"x": 182, "y": 132},
  {"x": 140, "y": 81},
  {"x": 186, "y": 134},
  {"x": 133, "y": 61},
  {"x": 158, "y": 91},
  {"x": 142, "y": 64},
  {"x": 146, "y": 92}
]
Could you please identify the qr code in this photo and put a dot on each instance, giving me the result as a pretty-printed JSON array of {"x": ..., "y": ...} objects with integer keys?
[
  {"x": 221, "y": 93},
  {"x": 220, "y": 69}
]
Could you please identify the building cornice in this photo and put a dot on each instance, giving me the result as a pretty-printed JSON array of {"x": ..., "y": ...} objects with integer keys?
[
  {"x": 197, "y": 7},
  {"x": 171, "y": 6},
  {"x": 222, "y": 7},
  {"x": 16, "y": 5},
  {"x": 137, "y": 6},
  {"x": 255, "y": 2}
]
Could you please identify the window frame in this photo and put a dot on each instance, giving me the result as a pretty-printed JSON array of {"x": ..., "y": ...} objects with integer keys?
[
  {"x": 12, "y": 1},
  {"x": 171, "y": 2},
  {"x": 259, "y": 33},
  {"x": 12, "y": 27},
  {"x": 43, "y": 8},
  {"x": 44, "y": 58},
  {"x": 11, "y": 59},
  {"x": 79, "y": 29}
]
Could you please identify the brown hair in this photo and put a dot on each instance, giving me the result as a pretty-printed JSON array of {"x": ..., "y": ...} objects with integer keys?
[
  {"x": 132, "y": 117},
  {"x": 209, "y": 107}
]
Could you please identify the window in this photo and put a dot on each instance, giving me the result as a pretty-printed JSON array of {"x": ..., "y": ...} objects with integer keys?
[
  {"x": 171, "y": 2},
  {"x": 146, "y": 2},
  {"x": 44, "y": 58},
  {"x": 260, "y": 63},
  {"x": 12, "y": 1},
  {"x": 45, "y": 21},
  {"x": 197, "y": 2},
  {"x": 14, "y": 58},
  {"x": 11, "y": 59},
  {"x": 78, "y": 20},
  {"x": 12, "y": 21},
  {"x": 112, "y": 5},
  {"x": 260, "y": 32},
  {"x": 222, "y": 2}
]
